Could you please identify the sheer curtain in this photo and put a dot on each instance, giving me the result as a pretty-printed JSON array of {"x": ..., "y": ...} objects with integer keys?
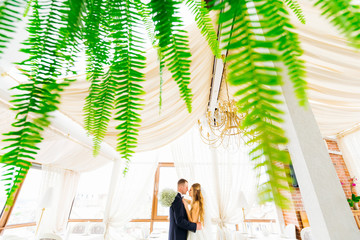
[
  {"x": 222, "y": 174},
  {"x": 127, "y": 192},
  {"x": 56, "y": 195},
  {"x": 349, "y": 146}
]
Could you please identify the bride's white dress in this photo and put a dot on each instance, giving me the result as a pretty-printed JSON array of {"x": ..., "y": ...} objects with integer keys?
[
  {"x": 201, "y": 234},
  {"x": 198, "y": 235},
  {"x": 206, "y": 232}
]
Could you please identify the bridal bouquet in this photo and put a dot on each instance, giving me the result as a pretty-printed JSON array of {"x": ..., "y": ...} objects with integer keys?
[{"x": 167, "y": 197}]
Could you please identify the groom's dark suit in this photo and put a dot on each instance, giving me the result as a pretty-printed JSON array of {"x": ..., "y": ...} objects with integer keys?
[{"x": 179, "y": 223}]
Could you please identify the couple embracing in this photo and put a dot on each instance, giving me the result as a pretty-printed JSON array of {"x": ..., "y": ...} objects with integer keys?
[{"x": 187, "y": 223}]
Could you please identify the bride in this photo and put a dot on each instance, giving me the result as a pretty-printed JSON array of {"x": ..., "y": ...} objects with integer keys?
[{"x": 196, "y": 213}]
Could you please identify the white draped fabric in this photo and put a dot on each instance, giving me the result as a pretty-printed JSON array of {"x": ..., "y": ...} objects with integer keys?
[
  {"x": 158, "y": 127},
  {"x": 350, "y": 147},
  {"x": 333, "y": 72},
  {"x": 223, "y": 176},
  {"x": 127, "y": 193},
  {"x": 57, "y": 149},
  {"x": 61, "y": 184},
  {"x": 333, "y": 78}
]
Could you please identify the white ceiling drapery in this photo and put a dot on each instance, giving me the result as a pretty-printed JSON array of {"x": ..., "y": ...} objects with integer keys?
[
  {"x": 333, "y": 77},
  {"x": 158, "y": 128},
  {"x": 333, "y": 72}
]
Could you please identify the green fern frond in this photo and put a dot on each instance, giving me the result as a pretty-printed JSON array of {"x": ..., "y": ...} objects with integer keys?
[
  {"x": 40, "y": 95},
  {"x": 71, "y": 34},
  {"x": 203, "y": 21},
  {"x": 129, "y": 59},
  {"x": 145, "y": 13},
  {"x": 278, "y": 28},
  {"x": 173, "y": 43},
  {"x": 295, "y": 7},
  {"x": 251, "y": 68},
  {"x": 97, "y": 51},
  {"x": 104, "y": 106},
  {"x": 344, "y": 16},
  {"x": 10, "y": 14},
  {"x": 161, "y": 70}
]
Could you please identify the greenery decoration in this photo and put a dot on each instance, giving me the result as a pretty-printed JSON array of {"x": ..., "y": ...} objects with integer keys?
[
  {"x": 167, "y": 197},
  {"x": 261, "y": 42},
  {"x": 295, "y": 7},
  {"x": 345, "y": 16},
  {"x": 173, "y": 43},
  {"x": 48, "y": 51},
  {"x": 203, "y": 21},
  {"x": 353, "y": 200},
  {"x": 9, "y": 15}
]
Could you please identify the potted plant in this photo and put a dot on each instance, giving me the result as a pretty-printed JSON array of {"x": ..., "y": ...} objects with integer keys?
[{"x": 353, "y": 201}]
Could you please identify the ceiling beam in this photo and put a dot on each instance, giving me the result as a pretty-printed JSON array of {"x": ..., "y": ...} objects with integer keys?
[{"x": 218, "y": 72}]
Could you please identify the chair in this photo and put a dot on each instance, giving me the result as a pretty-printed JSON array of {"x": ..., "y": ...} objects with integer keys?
[
  {"x": 306, "y": 234},
  {"x": 79, "y": 228},
  {"x": 97, "y": 228},
  {"x": 49, "y": 236},
  {"x": 290, "y": 231}
]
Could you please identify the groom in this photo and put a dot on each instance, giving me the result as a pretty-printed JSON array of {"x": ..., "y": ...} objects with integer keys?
[{"x": 179, "y": 223}]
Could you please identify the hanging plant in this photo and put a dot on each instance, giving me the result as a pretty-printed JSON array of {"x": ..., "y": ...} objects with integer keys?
[{"x": 260, "y": 41}]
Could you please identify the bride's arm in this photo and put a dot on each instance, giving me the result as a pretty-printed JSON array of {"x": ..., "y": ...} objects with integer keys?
[
  {"x": 187, "y": 210},
  {"x": 195, "y": 212},
  {"x": 192, "y": 217}
]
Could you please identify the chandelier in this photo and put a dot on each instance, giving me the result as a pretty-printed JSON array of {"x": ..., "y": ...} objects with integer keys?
[{"x": 222, "y": 127}]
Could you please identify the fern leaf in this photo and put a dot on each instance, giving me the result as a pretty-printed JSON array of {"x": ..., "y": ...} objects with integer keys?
[
  {"x": 173, "y": 43},
  {"x": 161, "y": 68},
  {"x": 295, "y": 7},
  {"x": 203, "y": 21},
  {"x": 40, "y": 95},
  {"x": 104, "y": 106},
  {"x": 251, "y": 68},
  {"x": 344, "y": 16},
  {"x": 10, "y": 14},
  {"x": 97, "y": 51},
  {"x": 278, "y": 26},
  {"x": 126, "y": 65}
]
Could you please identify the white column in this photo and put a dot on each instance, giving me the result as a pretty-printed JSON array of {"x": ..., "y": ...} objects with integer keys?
[{"x": 329, "y": 214}]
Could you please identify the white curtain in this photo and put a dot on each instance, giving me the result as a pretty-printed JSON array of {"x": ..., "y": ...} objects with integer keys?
[
  {"x": 127, "y": 193},
  {"x": 223, "y": 176},
  {"x": 56, "y": 196},
  {"x": 349, "y": 146}
]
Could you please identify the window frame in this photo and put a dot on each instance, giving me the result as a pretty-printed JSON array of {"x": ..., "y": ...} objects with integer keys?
[{"x": 7, "y": 210}]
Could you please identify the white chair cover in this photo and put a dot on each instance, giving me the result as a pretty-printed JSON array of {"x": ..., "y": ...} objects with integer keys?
[
  {"x": 290, "y": 231},
  {"x": 306, "y": 234},
  {"x": 49, "y": 236}
]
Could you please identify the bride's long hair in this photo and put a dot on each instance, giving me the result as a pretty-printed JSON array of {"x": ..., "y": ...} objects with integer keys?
[{"x": 198, "y": 197}]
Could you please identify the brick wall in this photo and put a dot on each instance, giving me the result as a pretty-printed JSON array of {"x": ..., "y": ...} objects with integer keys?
[{"x": 292, "y": 216}]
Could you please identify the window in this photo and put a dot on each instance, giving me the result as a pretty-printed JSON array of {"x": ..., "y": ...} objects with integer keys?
[
  {"x": 91, "y": 197},
  {"x": 164, "y": 176},
  {"x": 21, "y": 217},
  {"x": 24, "y": 210},
  {"x": 167, "y": 179},
  {"x": 90, "y": 202},
  {"x": 2, "y": 188}
]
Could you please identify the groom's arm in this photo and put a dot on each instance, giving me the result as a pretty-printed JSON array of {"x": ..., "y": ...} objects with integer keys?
[{"x": 180, "y": 219}]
